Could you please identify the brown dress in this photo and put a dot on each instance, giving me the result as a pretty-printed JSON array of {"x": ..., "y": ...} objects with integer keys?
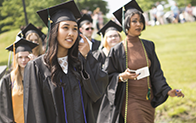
[{"x": 139, "y": 109}]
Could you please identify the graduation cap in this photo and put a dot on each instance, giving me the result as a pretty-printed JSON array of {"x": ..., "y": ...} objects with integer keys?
[
  {"x": 64, "y": 11},
  {"x": 84, "y": 19},
  {"x": 22, "y": 45},
  {"x": 111, "y": 25},
  {"x": 30, "y": 28},
  {"x": 131, "y": 6}
]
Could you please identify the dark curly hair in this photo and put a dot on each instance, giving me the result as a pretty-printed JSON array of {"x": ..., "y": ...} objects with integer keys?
[
  {"x": 129, "y": 13},
  {"x": 51, "y": 60}
]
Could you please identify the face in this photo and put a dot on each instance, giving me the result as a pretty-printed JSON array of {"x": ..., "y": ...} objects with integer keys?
[
  {"x": 112, "y": 38},
  {"x": 67, "y": 34},
  {"x": 23, "y": 58},
  {"x": 33, "y": 38},
  {"x": 87, "y": 30},
  {"x": 136, "y": 26}
]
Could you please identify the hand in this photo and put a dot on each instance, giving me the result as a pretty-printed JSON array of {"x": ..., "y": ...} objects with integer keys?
[
  {"x": 31, "y": 56},
  {"x": 127, "y": 75},
  {"x": 84, "y": 48},
  {"x": 175, "y": 92}
]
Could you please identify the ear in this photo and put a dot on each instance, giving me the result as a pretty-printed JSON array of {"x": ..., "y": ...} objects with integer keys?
[{"x": 80, "y": 29}]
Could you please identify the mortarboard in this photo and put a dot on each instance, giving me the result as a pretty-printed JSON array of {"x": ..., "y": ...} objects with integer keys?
[
  {"x": 61, "y": 12},
  {"x": 30, "y": 28},
  {"x": 130, "y": 5},
  {"x": 111, "y": 25},
  {"x": 84, "y": 19},
  {"x": 22, "y": 45}
]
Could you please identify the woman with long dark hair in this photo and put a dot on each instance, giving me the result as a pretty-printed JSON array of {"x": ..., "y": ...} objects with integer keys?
[{"x": 61, "y": 86}]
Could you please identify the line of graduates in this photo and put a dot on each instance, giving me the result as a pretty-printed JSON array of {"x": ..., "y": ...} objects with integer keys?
[{"x": 79, "y": 79}]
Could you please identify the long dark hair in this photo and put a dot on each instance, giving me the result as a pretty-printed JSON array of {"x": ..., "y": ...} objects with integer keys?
[
  {"x": 128, "y": 16},
  {"x": 51, "y": 60}
]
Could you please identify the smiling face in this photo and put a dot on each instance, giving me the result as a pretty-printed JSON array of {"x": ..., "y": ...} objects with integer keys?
[
  {"x": 67, "y": 35},
  {"x": 112, "y": 38},
  {"x": 136, "y": 25},
  {"x": 23, "y": 58}
]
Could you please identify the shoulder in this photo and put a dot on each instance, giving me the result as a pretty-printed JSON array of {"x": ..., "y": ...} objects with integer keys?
[
  {"x": 148, "y": 43},
  {"x": 117, "y": 51},
  {"x": 6, "y": 79}
]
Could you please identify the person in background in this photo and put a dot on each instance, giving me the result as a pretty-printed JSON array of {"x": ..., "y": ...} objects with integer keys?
[
  {"x": 11, "y": 85},
  {"x": 31, "y": 33},
  {"x": 131, "y": 95},
  {"x": 160, "y": 13},
  {"x": 111, "y": 32},
  {"x": 189, "y": 13},
  {"x": 86, "y": 28},
  {"x": 61, "y": 86},
  {"x": 175, "y": 12},
  {"x": 111, "y": 36}
]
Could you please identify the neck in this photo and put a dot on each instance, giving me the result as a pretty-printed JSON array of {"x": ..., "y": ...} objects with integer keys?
[
  {"x": 106, "y": 51},
  {"x": 132, "y": 38},
  {"x": 61, "y": 53}
]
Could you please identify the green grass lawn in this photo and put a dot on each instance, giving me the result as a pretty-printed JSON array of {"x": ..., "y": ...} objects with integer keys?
[{"x": 176, "y": 48}]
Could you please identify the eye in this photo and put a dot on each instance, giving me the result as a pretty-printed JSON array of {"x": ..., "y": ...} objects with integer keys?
[
  {"x": 134, "y": 21},
  {"x": 65, "y": 27},
  {"x": 75, "y": 28}
]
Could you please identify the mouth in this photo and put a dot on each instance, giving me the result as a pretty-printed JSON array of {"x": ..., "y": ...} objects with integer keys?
[
  {"x": 139, "y": 29},
  {"x": 69, "y": 40}
]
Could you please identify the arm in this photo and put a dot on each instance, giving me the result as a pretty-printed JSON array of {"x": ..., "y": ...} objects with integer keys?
[
  {"x": 33, "y": 105},
  {"x": 95, "y": 80},
  {"x": 6, "y": 111}
]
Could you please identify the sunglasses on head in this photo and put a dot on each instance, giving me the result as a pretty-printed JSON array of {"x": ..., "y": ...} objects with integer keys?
[{"x": 89, "y": 28}]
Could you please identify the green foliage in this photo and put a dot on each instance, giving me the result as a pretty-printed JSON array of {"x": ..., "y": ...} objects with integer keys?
[{"x": 93, "y": 4}]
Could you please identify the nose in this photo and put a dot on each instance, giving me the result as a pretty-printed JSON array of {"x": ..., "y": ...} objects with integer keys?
[{"x": 71, "y": 32}]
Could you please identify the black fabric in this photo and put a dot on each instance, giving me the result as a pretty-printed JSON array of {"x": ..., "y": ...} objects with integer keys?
[
  {"x": 61, "y": 12},
  {"x": 43, "y": 102},
  {"x": 84, "y": 19},
  {"x": 95, "y": 44},
  {"x": 111, "y": 25},
  {"x": 100, "y": 56},
  {"x": 22, "y": 45},
  {"x": 110, "y": 109},
  {"x": 6, "y": 110}
]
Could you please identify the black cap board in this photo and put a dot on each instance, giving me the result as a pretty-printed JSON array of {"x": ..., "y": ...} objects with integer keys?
[
  {"x": 84, "y": 19},
  {"x": 61, "y": 12},
  {"x": 30, "y": 28},
  {"x": 111, "y": 25},
  {"x": 130, "y": 5},
  {"x": 22, "y": 45}
]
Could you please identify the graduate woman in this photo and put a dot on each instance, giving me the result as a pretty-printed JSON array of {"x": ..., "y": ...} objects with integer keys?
[
  {"x": 31, "y": 33},
  {"x": 132, "y": 97},
  {"x": 111, "y": 37},
  {"x": 60, "y": 88},
  {"x": 11, "y": 85}
]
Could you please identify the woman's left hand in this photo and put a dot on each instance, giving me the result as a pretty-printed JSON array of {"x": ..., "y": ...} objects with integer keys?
[
  {"x": 175, "y": 92},
  {"x": 84, "y": 47}
]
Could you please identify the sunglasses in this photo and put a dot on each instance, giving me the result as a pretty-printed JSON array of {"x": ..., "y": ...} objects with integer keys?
[{"x": 87, "y": 29}]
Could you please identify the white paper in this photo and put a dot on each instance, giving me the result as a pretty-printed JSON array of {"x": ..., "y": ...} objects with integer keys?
[
  {"x": 89, "y": 42},
  {"x": 144, "y": 72}
]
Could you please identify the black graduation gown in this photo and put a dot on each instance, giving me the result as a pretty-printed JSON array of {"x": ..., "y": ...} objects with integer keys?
[
  {"x": 6, "y": 110},
  {"x": 95, "y": 44},
  {"x": 115, "y": 64},
  {"x": 43, "y": 102},
  {"x": 100, "y": 56}
]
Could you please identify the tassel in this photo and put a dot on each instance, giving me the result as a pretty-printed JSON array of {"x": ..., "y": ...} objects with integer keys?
[
  {"x": 123, "y": 18},
  {"x": 49, "y": 26},
  {"x": 148, "y": 95}
]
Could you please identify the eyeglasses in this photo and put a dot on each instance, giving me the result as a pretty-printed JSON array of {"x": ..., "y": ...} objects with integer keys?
[
  {"x": 87, "y": 29},
  {"x": 115, "y": 36}
]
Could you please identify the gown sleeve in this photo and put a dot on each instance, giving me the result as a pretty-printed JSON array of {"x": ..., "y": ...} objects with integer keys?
[
  {"x": 6, "y": 111},
  {"x": 95, "y": 88},
  {"x": 33, "y": 105},
  {"x": 159, "y": 84}
]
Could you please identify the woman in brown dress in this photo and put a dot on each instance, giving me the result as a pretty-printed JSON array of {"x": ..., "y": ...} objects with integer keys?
[{"x": 130, "y": 97}]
